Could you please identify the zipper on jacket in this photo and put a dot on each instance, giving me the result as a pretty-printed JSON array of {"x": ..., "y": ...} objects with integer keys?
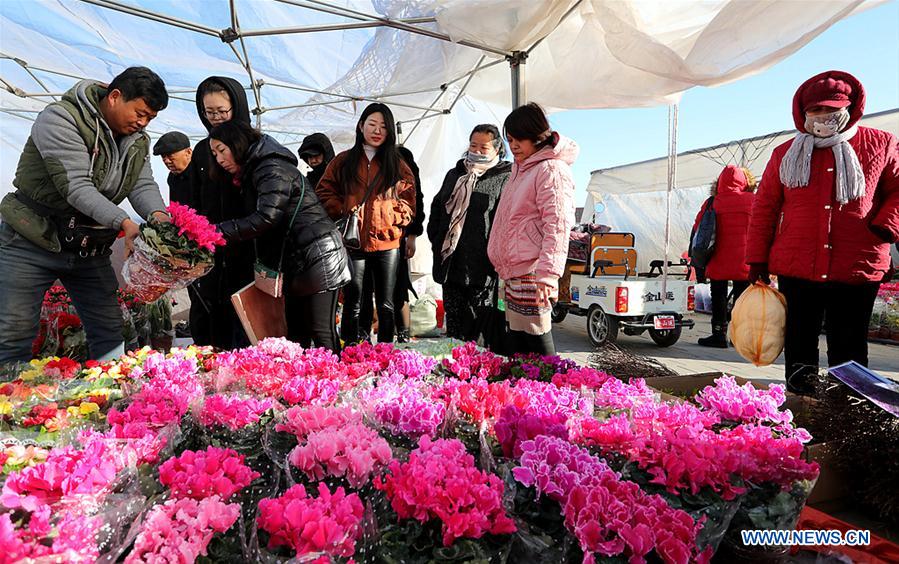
[{"x": 780, "y": 224}]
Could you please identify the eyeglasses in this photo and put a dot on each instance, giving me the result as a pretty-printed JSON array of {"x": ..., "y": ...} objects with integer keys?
[{"x": 217, "y": 113}]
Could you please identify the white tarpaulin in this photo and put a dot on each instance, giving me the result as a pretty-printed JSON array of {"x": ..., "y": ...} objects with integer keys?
[
  {"x": 632, "y": 196},
  {"x": 440, "y": 63}
]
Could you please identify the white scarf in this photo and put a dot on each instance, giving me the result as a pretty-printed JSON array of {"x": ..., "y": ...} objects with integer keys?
[
  {"x": 457, "y": 204},
  {"x": 795, "y": 168}
]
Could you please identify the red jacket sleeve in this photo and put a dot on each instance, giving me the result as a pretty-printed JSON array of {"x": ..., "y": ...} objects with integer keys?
[
  {"x": 887, "y": 217},
  {"x": 765, "y": 209}
]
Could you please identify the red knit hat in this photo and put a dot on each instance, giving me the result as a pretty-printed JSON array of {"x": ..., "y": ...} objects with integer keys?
[{"x": 830, "y": 92}]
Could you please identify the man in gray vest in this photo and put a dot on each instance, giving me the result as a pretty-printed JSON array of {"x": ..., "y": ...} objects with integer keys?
[{"x": 86, "y": 154}]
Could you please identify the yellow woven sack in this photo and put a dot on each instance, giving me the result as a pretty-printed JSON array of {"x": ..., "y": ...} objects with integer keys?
[{"x": 757, "y": 324}]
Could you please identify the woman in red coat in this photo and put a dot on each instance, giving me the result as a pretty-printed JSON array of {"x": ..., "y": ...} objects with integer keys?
[
  {"x": 733, "y": 193},
  {"x": 823, "y": 220}
]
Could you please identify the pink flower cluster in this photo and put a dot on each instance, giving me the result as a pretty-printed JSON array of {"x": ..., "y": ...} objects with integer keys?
[
  {"x": 72, "y": 539},
  {"x": 179, "y": 530},
  {"x": 469, "y": 362},
  {"x": 483, "y": 401},
  {"x": 545, "y": 398},
  {"x": 440, "y": 481},
  {"x": 302, "y": 390},
  {"x": 233, "y": 411},
  {"x": 403, "y": 407},
  {"x": 411, "y": 364},
  {"x": 354, "y": 452},
  {"x": 195, "y": 226},
  {"x": 67, "y": 472},
  {"x": 515, "y": 426},
  {"x": 607, "y": 515},
  {"x": 329, "y": 524},
  {"x": 583, "y": 377},
  {"x": 769, "y": 458},
  {"x": 278, "y": 368},
  {"x": 677, "y": 446},
  {"x": 205, "y": 473},
  {"x": 372, "y": 358},
  {"x": 746, "y": 403},
  {"x": 302, "y": 421}
]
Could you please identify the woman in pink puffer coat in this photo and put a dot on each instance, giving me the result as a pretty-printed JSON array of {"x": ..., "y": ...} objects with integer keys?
[{"x": 529, "y": 240}]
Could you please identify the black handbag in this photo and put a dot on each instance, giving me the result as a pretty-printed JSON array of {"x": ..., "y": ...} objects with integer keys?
[{"x": 348, "y": 226}]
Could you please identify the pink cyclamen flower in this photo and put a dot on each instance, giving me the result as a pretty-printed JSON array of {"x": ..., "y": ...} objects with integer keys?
[
  {"x": 195, "y": 226},
  {"x": 440, "y": 481},
  {"x": 233, "y": 411},
  {"x": 179, "y": 530},
  {"x": 330, "y": 523},
  {"x": 204, "y": 473}
]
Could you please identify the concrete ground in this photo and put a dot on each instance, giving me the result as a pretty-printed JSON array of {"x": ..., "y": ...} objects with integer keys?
[{"x": 686, "y": 357}]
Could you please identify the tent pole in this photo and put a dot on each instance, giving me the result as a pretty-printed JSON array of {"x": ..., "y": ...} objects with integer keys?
[
  {"x": 397, "y": 24},
  {"x": 672, "y": 181},
  {"x": 519, "y": 85},
  {"x": 135, "y": 11}
]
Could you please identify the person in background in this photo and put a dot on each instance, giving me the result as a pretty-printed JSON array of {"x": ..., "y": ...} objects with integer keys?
[
  {"x": 372, "y": 180},
  {"x": 213, "y": 320},
  {"x": 733, "y": 193},
  {"x": 461, "y": 218},
  {"x": 174, "y": 148},
  {"x": 87, "y": 152},
  {"x": 823, "y": 220},
  {"x": 287, "y": 225},
  {"x": 317, "y": 151},
  {"x": 528, "y": 244},
  {"x": 403, "y": 275}
]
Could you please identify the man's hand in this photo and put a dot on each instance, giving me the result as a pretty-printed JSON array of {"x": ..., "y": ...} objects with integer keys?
[
  {"x": 410, "y": 246},
  {"x": 161, "y": 217},
  {"x": 131, "y": 232},
  {"x": 758, "y": 272}
]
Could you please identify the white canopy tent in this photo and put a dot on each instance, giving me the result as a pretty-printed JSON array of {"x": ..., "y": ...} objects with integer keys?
[
  {"x": 632, "y": 197},
  {"x": 443, "y": 65}
]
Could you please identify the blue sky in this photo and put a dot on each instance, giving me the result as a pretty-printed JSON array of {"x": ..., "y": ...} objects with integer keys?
[{"x": 866, "y": 45}]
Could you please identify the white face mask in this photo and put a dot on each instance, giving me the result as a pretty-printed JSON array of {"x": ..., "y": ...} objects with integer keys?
[
  {"x": 478, "y": 158},
  {"x": 827, "y": 125}
]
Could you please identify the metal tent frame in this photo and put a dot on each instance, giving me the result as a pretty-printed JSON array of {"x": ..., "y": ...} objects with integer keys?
[{"x": 234, "y": 37}]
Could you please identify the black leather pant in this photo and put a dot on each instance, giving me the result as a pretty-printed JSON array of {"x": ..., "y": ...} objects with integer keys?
[
  {"x": 384, "y": 265},
  {"x": 312, "y": 320}
]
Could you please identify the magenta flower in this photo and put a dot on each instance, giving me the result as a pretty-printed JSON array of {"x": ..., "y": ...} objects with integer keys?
[
  {"x": 330, "y": 523},
  {"x": 195, "y": 226},
  {"x": 205, "y": 473},
  {"x": 440, "y": 481}
]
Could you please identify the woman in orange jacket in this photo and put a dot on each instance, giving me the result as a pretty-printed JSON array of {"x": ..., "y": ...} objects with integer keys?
[{"x": 372, "y": 182}]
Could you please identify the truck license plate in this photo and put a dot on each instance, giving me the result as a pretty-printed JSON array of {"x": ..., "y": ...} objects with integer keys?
[{"x": 663, "y": 322}]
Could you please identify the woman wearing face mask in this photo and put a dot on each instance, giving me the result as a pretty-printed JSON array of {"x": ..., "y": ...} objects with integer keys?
[
  {"x": 287, "y": 225},
  {"x": 212, "y": 317},
  {"x": 825, "y": 214},
  {"x": 461, "y": 217},
  {"x": 371, "y": 180},
  {"x": 529, "y": 241}
]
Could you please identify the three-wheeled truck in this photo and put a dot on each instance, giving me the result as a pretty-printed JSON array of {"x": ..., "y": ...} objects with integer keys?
[{"x": 606, "y": 289}]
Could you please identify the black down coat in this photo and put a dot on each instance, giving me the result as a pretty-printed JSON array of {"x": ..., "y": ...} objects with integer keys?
[{"x": 314, "y": 258}]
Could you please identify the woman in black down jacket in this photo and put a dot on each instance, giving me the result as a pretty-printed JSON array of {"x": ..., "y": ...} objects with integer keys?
[
  {"x": 461, "y": 217},
  {"x": 315, "y": 262}
]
